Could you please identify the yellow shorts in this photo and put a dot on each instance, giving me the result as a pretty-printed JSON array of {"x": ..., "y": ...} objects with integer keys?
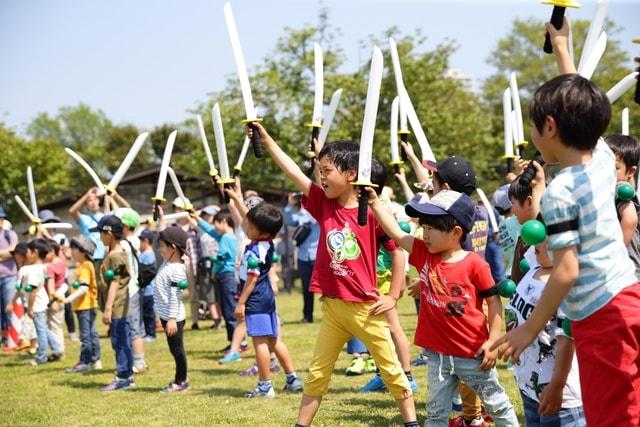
[
  {"x": 384, "y": 281},
  {"x": 341, "y": 321}
]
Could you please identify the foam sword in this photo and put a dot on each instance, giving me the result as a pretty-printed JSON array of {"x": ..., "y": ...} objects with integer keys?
[
  {"x": 110, "y": 188},
  {"x": 518, "y": 129},
  {"x": 402, "y": 94},
  {"x": 393, "y": 135},
  {"x": 213, "y": 172},
  {"x": 594, "y": 34},
  {"x": 94, "y": 176},
  {"x": 241, "y": 67},
  {"x": 176, "y": 186},
  {"x": 318, "y": 98},
  {"x": 557, "y": 17},
  {"x": 328, "y": 120},
  {"x": 158, "y": 199},
  {"x": 225, "y": 178},
  {"x": 508, "y": 138},
  {"x": 622, "y": 86},
  {"x": 366, "y": 135},
  {"x": 625, "y": 121}
]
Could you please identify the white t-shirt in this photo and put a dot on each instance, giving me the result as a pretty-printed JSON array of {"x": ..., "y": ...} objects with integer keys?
[
  {"x": 133, "y": 264},
  {"x": 535, "y": 368},
  {"x": 34, "y": 275}
]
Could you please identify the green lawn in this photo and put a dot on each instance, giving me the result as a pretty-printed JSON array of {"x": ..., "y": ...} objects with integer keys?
[{"x": 46, "y": 395}]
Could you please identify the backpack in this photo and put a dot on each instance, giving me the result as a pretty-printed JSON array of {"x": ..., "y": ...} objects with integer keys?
[
  {"x": 146, "y": 272},
  {"x": 302, "y": 233}
]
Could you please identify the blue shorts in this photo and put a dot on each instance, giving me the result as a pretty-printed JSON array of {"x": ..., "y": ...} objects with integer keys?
[{"x": 262, "y": 325}]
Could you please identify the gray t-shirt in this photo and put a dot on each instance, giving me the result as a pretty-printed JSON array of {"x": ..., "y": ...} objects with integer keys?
[{"x": 8, "y": 268}]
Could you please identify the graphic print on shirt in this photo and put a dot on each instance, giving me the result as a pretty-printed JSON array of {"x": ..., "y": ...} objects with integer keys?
[
  {"x": 434, "y": 284},
  {"x": 342, "y": 245}
]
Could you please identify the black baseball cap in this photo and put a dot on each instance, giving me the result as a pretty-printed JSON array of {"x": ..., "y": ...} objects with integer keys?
[
  {"x": 457, "y": 172},
  {"x": 175, "y": 236},
  {"x": 109, "y": 223}
]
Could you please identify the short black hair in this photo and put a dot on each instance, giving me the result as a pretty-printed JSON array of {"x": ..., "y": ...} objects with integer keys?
[
  {"x": 224, "y": 215},
  {"x": 625, "y": 147},
  {"x": 378, "y": 175},
  {"x": 343, "y": 154},
  {"x": 580, "y": 109},
  {"x": 54, "y": 246},
  {"x": 266, "y": 218},
  {"x": 40, "y": 246},
  {"x": 518, "y": 191},
  {"x": 444, "y": 223}
]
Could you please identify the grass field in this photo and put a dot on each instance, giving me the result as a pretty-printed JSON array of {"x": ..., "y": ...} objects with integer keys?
[{"x": 46, "y": 395}]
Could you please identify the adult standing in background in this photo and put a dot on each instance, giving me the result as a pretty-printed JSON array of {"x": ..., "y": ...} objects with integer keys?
[
  {"x": 89, "y": 220},
  {"x": 8, "y": 273},
  {"x": 306, "y": 239}
]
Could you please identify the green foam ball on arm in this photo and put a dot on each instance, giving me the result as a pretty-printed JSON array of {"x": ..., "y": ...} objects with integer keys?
[
  {"x": 506, "y": 288},
  {"x": 533, "y": 232},
  {"x": 524, "y": 265},
  {"x": 625, "y": 191},
  {"x": 109, "y": 275},
  {"x": 253, "y": 263}
]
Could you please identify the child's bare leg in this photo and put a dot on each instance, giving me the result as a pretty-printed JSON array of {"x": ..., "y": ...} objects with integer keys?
[
  {"x": 263, "y": 359},
  {"x": 399, "y": 339},
  {"x": 308, "y": 407},
  {"x": 407, "y": 409},
  {"x": 238, "y": 335},
  {"x": 282, "y": 353}
]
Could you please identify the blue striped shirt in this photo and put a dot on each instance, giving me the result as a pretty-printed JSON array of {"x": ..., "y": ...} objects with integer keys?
[{"x": 585, "y": 194}]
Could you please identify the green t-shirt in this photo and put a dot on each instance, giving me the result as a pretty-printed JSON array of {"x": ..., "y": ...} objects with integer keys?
[{"x": 119, "y": 264}]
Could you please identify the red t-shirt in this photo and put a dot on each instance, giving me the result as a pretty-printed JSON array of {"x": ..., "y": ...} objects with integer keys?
[
  {"x": 345, "y": 266},
  {"x": 451, "y": 320},
  {"x": 57, "y": 270}
]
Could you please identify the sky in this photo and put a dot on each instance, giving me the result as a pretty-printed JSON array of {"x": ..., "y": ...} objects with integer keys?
[{"x": 147, "y": 62}]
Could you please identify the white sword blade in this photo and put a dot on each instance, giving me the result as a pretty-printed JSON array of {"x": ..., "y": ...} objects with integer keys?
[
  {"x": 241, "y": 67},
  {"x": 176, "y": 185},
  {"x": 25, "y": 209},
  {"x": 397, "y": 73},
  {"x": 622, "y": 86},
  {"x": 205, "y": 145},
  {"x": 328, "y": 120},
  {"x": 220, "y": 144},
  {"x": 164, "y": 167},
  {"x": 54, "y": 225},
  {"x": 514, "y": 124},
  {"x": 88, "y": 168},
  {"x": 594, "y": 57},
  {"x": 318, "y": 96},
  {"x": 370, "y": 112},
  {"x": 129, "y": 158},
  {"x": 506, "y": 114},
  {"x": 625, "y": 121},
  {"x": 492, "y": 215},
  {"x": 243, "y": 152},
  {"x": 395, "y": 154},
  {"x": 515, "y": 98},
  {"x": 32, "y": 192},
  {"x": 175, "y": 215},
  {"x": 593, "y": 34},
  {"x": 421, "y": 137}
]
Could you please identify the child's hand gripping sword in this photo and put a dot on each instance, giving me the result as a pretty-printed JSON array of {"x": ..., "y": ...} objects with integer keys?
[
  {"x": 158, "y": 199},
  {"x": 557, "y": 16}
]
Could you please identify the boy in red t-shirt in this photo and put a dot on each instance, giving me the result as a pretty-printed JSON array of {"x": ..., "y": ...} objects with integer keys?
[
  {"x": 453, "y": 283},
  {"x": 345, "y": 275}
]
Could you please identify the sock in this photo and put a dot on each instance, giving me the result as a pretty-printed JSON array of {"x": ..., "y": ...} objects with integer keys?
[
  {"x": 138, "y": 359},
  {"x": 409, "y": 376},
  {"x": 291, "y": 375},
  {"x": 411, "y": 424},
  {"x": 264, "y": 385}
]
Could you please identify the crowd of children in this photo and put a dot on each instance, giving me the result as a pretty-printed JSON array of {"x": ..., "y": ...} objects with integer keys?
[{"x": 572, "y": 321}]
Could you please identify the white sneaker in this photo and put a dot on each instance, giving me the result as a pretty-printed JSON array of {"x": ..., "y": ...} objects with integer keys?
[{"x": 97, "y": 365}]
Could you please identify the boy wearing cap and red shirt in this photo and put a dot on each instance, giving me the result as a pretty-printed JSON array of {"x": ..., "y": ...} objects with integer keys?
[
  {"x": 451, "y": 323},
  {"x": 113, "y": 298}
]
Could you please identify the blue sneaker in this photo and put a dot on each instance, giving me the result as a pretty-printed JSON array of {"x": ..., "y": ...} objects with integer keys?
[
  {"x": 414, "y": 385},
  {"x": 420, "y": 360},
  {"x": 376, "y": 384},
  {"x": 232, "y": 356},
  {"x": 456, "y": 404},
  {"x": 118, "y": 384}
]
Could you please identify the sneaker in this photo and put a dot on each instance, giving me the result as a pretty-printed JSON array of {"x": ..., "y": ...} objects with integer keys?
[
  {"x": 33, "y": 350},
  {"x": 274, "y": 367},
  {"x": 420, "y": 360},
  {"x": 54, "y": 357},
  {"x": 97, "y": 365},
  {"x": 250, "y": 371},
  {"x": 195, "y": 327},
  {"x": 293, "y": 384},
  {"x": 486, "y": 417},
  {"x": 118, "y": 384},
  {"x": 176, "y": 388},
  {"x": 414, "y": 385},
  {"x": 259, "y": 391},
  {"x": 461, "y": 422},
  {"x": 456, "y": 403},
  {"x": 375, "y": 384},
  {"x": 232, "y": 356},
  {"x": 370, "y": 365},
  {"x": 244, "y": 348},
  {"x": 140, "y": 368},
  {"x": 36, "y": 362},
  {"x": 217, "y": 325},
  {"x": 79, "y": 368},
  {"x": 356, "y": 367}
]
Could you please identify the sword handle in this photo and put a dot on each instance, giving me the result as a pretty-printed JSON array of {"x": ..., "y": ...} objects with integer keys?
[
  {"x": 521, "y": 151},
  {"x": 156, "y": 210},
  {"x": 557, "y": 16},
  {"x": 404, "y": 137},
  {"x": 530, "y": 171},
  {"x": 396, "y": 169},
  {"x": 236, "y": 173},
  {"x": 256, "y": 142},
  {"x": 225, "y": 196},
  {"x": 315, "y": 131},
  {"x": 510, "y": 167},
  {"x": 363, "y": 202}
]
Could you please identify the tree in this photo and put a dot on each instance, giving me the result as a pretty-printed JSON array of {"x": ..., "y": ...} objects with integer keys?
[{"x": 521, "y": 51}]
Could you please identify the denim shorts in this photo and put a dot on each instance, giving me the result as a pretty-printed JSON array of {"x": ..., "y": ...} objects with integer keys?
[
  {"x": 136, "y": 324},
  {"x": 567, "y": 417},
  {"x": 262, "y": 325}
]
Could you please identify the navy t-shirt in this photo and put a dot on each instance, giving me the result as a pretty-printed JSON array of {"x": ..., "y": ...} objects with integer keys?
[
  {"x": 477, "y": 239},
  {"x": 262, "y": 300}
]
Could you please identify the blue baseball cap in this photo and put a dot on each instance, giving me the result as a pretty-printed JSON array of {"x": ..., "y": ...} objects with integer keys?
[
  {"x": 146, "y": 234},
  {"x": 446, "y": 202}
]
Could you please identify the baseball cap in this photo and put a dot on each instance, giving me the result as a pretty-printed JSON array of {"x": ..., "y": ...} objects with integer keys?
[
  {"x": 108, "y": 223},
  {"x": 175, "y": 236},
  {"x": 253, "y": 201},
  {"x": 83, "y": 243},
  {"x": 146, "y": 234},
  {"x": 129, "y": 217},
  {"x": 3, "y": 214},
  {"x": 61, "y": 239},
  {"x": 210, "y": 210},
  {"x": 446, "y": 202},
  {"x": 457, "y": 172},
  {"x": 47, "y": 215},
  {"x": 20, "y": 249},
  {"x": 184, "y": 204},
  {"x": 501, "y": 198}
]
